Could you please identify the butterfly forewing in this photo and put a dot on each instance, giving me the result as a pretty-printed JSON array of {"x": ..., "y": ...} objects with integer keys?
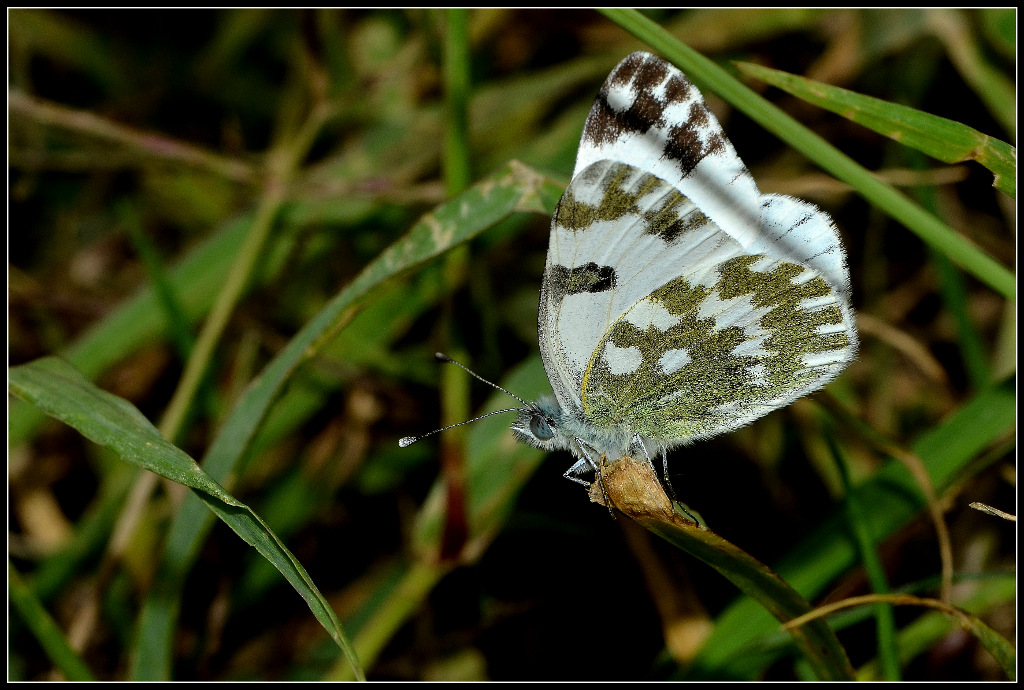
[{"x": 649, "y": 115}]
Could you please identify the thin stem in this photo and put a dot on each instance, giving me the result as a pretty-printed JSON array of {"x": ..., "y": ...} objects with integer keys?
[
  {"x": 147, "y": 144},
  {"x": 456, "y": 75}
]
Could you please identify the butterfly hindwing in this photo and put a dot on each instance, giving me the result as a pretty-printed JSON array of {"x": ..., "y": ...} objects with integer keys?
[{"x": 692, "y": 359}]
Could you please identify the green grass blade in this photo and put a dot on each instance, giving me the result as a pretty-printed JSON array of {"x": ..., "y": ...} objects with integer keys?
[
  {"x": 43, "y": 627},
  {"x": 926, "y": 226},
  {"x": 955, "y": 297},
  {"x": 457, "y": 169},
  {"x": 62, "y": 392},
  {"x": 512, "y": 189},
  {"x": 856, "y": 512},
  {"x": 633, "y": 488},
  {"x": 166, "y": 295},
  {"x": 946, "y": 140}
]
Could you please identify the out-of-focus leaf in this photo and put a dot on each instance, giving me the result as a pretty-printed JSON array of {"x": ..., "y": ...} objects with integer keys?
[{"x": 65, "y": 42}]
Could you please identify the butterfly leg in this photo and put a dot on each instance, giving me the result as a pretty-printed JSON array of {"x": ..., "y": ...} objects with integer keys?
[
  {"x": 664, "y": 465},
  {"x": 640, "y": 442},
  {"x": 587, "y": 460},
  {"x": 668, "y": 481},
  {"x": 574, "y": 472}
]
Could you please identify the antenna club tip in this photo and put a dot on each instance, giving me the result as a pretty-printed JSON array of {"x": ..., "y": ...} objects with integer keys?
[
  {"x": 407, "y": 441},
  {"x": 441, "y": 357}
]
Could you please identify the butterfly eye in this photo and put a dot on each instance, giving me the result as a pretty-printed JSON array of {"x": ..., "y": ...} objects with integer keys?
[{"x": 540, "y": 428}]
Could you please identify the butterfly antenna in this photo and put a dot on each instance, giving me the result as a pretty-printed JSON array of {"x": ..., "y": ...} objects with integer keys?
[
  {"x": 407, "y": 441},
  {"x": 441, "y": 357}
]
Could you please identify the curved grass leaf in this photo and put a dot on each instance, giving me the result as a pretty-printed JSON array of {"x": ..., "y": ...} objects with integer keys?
[
  {"x": 58, "y": 389},
  {"x": 917, "y": 637},
  {"x": 998, "y": 646},
  {"x": 946, "y": 140},
  {"x": 894, "y": 499},
  {"x": 925, "y": 225},
  {"x": 513, "y": 189},
  {"x": 633, "y": 488}
]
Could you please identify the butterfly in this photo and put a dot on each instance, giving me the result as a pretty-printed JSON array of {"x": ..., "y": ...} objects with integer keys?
[{"x": 678, "y": 302}]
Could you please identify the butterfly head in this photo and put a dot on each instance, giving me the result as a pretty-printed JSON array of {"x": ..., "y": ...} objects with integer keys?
[
  {"x": 541, "y": 425},
  {"x": 547, "y": 425}
]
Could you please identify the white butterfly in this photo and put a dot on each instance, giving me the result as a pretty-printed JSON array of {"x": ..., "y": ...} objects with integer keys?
[{"x": 678, "y": 302}]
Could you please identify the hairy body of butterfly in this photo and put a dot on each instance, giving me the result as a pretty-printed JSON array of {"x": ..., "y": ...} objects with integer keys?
[{"x": 678, "y": 302}]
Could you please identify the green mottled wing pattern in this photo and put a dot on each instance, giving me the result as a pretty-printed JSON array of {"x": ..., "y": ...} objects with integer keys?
[{"x": 719, "y": 356}]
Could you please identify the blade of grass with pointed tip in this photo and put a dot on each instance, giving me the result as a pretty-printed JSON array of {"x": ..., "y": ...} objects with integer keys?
[
  {"x": 62, "y": 392},
  {"x": 938, "y": 137}
]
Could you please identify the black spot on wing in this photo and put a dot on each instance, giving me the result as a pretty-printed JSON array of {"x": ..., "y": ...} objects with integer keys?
[
  {"x": 638, "y": 77},
  {"x": 605, "y": 124},
  {"x": 691, "y": 140},
  {"x": 590, "y": 277},
  {"x": 678, "y": 88}
]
